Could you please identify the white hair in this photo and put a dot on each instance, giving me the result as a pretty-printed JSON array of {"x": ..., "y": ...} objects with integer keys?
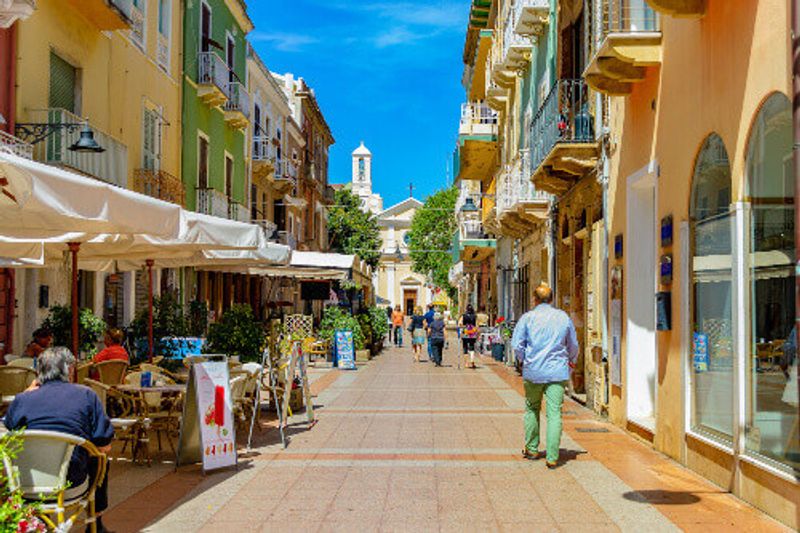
[
  {"x": 437, "y": 315},
  {"x": 53, "y": 364}
]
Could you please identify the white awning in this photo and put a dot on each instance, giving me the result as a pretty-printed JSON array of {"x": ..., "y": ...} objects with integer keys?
[{"x": 769, "y": 264}]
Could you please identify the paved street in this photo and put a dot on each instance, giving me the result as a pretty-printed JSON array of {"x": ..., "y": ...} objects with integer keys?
[{"x": 401, "y": 446}]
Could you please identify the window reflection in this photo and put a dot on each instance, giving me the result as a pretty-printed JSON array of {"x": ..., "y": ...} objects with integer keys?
[{"x": 772, "y": 420}]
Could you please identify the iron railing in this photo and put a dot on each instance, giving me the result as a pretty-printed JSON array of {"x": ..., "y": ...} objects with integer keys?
[
  {"x": 238, "y": 212},
  {"x": 110, "y": 166},
  {"x": 212, "y": 70},
  {"x": 159, "y": 184},
  {"x": 563, "y": 117},
  {"x": 626, "y": 16},
  {"x": 163, "y": 51},
  {"x": 212, "y": 202},
  {"x": 238, "y": 99},
  {"x": 263, "y": 149},
  {"x": 136, "y": 17},
  {"x": 14, "y": 145},
  {"x": 477, "y": 119}
]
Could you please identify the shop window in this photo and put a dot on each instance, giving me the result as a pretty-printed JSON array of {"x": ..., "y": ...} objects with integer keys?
[
  {"x": 772, "y": 421},
  {"x": 712, "y": 295}
]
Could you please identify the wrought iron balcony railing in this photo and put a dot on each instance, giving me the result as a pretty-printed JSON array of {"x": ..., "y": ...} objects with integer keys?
[
  {"x": 515, "y": 186},
  {"x": 238, "y": 99},
  {"x": 563, "y": 117},
  {"x": 11, "y": 144},
  {"x": 477, "y": 119},
  {"x": 238, "y": 212},
  {"x": 263, "y": 150},
  {"x": 212, "y": 202},
  {"x": 163, "y": 52},
  {"x": 212, "y": 70},
  {"x": 159, "y": 184}
]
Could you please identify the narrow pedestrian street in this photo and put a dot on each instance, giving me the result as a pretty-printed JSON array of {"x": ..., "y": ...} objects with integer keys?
[{"x": 404, "y": 446}]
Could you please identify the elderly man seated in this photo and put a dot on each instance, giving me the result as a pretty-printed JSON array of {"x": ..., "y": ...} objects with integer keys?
[{"x": 53, "y": 403}]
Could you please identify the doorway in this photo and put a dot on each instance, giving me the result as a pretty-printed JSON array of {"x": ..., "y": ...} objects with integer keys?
[
  {"x": 640, "y": 266},
  {"x": 409, "y": 301}
]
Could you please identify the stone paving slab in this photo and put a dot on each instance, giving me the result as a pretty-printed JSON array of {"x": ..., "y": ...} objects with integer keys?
[{"x": 404, "y": 446}]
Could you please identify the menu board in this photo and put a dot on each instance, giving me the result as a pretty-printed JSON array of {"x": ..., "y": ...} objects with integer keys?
[
  {"x": 207, "y": 432},
  {"x": 345, "y": 352}
]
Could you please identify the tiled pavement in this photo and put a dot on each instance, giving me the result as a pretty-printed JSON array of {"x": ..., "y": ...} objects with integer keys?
[{"x": 404, "y": 446}]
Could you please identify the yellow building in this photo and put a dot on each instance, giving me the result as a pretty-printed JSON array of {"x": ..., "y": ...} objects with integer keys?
[
  {"x": 701, "y": 252},
  {"x": 117, "y": 65}
]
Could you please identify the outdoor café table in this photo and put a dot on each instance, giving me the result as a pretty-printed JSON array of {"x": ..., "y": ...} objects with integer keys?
[
  {"x": 152, "y": 414},
  {"x": 164, "y": 389}
]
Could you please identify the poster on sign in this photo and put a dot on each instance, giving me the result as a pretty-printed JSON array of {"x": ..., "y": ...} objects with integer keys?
[
  {"x": 700, "y": 352},
  {"x": 207, "y": 433},
  {"x": 345, "y": 352}
]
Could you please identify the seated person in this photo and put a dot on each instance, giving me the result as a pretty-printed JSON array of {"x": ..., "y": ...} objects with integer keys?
[
  {"x": 114, "y": 351},
  {"x": 53, "y": 403},
  {"x": 42, "y": 339}
]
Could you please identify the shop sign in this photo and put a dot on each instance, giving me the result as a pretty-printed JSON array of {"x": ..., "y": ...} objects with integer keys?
[
  {"x": 345, "y": 351},
  {"x": 616, "y": 342}
]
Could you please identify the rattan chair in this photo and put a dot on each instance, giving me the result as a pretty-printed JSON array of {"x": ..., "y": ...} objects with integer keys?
[
  {"x": 111, "y": 372},
  {"x": 22, "y": 362},
  {"x": 14, "y": 380},
  {"x": 40, "y": 472}
]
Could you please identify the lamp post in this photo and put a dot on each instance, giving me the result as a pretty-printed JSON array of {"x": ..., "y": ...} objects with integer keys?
[{"x": 36, "y": 132}]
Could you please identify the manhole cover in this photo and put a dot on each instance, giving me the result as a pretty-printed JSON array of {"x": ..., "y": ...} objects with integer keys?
[{"x": 591, "y": 430}]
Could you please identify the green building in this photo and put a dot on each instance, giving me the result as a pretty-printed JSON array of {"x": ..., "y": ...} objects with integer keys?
[{"x": 216, "y": 107}]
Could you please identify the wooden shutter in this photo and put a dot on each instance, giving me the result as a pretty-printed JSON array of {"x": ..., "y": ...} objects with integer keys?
[
  {"x": 63, "y": 77},
  {"x": 202, "y": 166}
]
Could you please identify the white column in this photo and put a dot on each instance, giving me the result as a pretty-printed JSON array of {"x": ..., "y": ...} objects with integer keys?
[
  {"x": 128, "y": 297},
  {"x": 391, "y": 290}
]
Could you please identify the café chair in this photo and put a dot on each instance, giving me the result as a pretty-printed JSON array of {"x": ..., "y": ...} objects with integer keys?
[
  {"x": 14, "y": 380},
  {"x": 83, "y": 371},
  {"x": 111, "y": 372},
  {"x": 40, "y": 472},
  {"x": 155, "y": 369},
  {"x": 22, "y": 362}
]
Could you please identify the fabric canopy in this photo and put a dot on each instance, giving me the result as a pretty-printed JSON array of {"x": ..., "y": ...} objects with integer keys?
[
  {"x": 40, "y": 201},
  {"x": 308, "y": 265}
]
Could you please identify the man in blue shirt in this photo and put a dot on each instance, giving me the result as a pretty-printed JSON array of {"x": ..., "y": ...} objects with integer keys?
[
  {"x": 546, "y": 344},
  {"x": 53, "y": 403},
  {"x": 428, "y": 316}
]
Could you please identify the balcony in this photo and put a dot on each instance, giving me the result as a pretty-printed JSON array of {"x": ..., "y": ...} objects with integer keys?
[
  {"x": 237, "y": 108},
  {"x": 163, "y": 52},
  {"x": 13, "y": 145},
  {"x": 238, "y": 212},
  {"x": 285, "y": 177},
  {"x": 212, "y": 79},
  {"x": 269, "y": 227},
  {"x": 479, "y": 13},
  {"x": 519, "y": 204},
  {"x": 263, "y": 157},
  {"x": 680, "y": 8},
  {"x": 14, "y": 10},
  {"x": 474, "y": 77},
  {"x": 630, "y": 41},
  {"x": 477, "y": 142},
  {"x": 563, "y": 145},
  {"x": 136, "y": 16},
  {"x": 159, "y": 184},
  {"x": 212, "y": 202},
  {"x": 105, "y": 14},
  {"x": 471, "y": 242},
  {"x": 110, "y": 166},
  {"x": 532, "y": 17}
]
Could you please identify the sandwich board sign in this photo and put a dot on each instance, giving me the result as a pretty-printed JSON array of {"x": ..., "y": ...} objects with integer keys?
[
  {"x": 345, "y": 352},
  {"x": 207, "y": 432}
]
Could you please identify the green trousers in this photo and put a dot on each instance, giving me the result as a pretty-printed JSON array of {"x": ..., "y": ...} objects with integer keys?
[{"x": 554, "y": 398}]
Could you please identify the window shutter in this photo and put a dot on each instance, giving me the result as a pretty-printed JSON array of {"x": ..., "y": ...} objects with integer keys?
[{"x": 62, "y": 84}]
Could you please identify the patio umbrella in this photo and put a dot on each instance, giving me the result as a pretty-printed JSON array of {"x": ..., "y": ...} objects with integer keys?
[{"x": 43, "y": 202}]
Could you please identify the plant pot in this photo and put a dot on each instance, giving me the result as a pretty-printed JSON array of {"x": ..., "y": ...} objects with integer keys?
[{"x": 363, "y": 355}]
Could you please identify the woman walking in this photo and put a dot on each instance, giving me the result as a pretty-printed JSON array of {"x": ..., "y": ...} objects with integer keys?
[
  {"x": 436, "y": 334},
  {"x": 417, "y": 329},
  {"x": 469, "y": 332}
]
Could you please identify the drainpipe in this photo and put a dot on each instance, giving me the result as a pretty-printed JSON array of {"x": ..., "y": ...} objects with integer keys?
[{"x": 795, "y": 58}]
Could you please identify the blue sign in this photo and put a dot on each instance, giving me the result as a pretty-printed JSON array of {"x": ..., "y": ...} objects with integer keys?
[
  {"x": 700, "y": 351},
  {"x": 345, "y": 351}
]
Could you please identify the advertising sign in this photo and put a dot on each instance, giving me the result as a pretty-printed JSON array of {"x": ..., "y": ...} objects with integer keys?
[
  {"x": 616, "y": 342},
  {"x": 207, "y": 433},
  {"x": 345, "y": 351},
  {"x": 700, "y": 351}
]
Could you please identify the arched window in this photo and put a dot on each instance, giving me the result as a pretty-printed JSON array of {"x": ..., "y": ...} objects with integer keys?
[
  {"x": 770, "y": 191},
  {"x": 712, "y": 295}
]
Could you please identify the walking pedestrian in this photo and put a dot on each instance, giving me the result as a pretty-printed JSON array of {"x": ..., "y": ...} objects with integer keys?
[
  {"x": 417, "y": 329},
  {"x": 546, "y": 344},
  {"x": 469, "y": 332},
  {"x": 429, "y": 314},
  {"x": 436, "y": 337},
  {"x": 398, "y": 318}
]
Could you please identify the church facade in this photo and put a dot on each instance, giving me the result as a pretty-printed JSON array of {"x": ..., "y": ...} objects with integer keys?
[{"x": 394, "y": 280}]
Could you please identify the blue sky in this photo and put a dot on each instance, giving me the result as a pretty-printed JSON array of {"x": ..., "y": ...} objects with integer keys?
[{"x": 387, "y": 73}]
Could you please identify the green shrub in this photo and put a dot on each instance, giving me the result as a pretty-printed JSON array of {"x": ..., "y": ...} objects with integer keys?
[
  {"x": 237, "y": 333},
  {"x": 198, "y": 318},
  {"x": 90, "y": 328},
  {"x": 168, "y": 321},
  {"x": 334, "y": 318},
  {"x": 380, "y": 325}
]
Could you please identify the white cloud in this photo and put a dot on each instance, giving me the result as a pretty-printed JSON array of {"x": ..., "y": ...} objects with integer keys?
[
  {"x": 395, "y": 36},
  {"x": 285, "y": 42}
]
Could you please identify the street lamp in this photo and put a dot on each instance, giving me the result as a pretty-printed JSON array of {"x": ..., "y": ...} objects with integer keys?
[
  {"x": 86, "y": 142},
  {"x": 469, "y": 206},
  {"x": 398, "y": 253},
  {"x": 34, "y": 133}
]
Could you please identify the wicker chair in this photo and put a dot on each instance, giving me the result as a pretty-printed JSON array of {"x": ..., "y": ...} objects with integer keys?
[{"x": 111, "y": 372}]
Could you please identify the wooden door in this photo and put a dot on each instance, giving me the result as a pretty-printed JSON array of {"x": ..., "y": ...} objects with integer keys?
[{"x": 409, "y": 301}]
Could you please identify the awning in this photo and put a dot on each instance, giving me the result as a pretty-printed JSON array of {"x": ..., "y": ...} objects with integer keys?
[
  {"x": 310, "y": 266},
  {"x": 771, "y": 264},
  {"x": 40, "y": 201}
]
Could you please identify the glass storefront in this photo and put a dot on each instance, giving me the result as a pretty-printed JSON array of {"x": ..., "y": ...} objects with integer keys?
[
  {"x": 771, "y": 426},
  {"x": 712, "y": 298}
]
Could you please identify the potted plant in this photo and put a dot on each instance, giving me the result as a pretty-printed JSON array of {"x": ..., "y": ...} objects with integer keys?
[
  {"x": 16, "y": 514},
  {"x": 237, "y": 333},
  {"x": 90, "y": 328},
  {"x": 336, "y": 317},
  {"x": 168, "y": 321}
]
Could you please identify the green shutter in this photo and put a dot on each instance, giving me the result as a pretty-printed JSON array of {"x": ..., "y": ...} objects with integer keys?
[{"x": 62, "y": 83}]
